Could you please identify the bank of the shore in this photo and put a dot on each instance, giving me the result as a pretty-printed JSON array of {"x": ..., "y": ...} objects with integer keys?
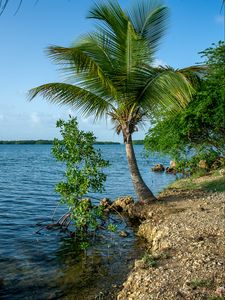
[{"x": 185, "y": 241}]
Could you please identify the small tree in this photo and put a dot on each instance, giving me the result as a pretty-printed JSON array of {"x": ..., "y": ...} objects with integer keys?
[{"x": 83, "y": 173}]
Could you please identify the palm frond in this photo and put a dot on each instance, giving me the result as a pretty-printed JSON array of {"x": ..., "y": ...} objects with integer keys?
[
  {"x": 163, "y": 87},
  {"x": 194, "y": 74},
  {"x": 88, "y": 59},
  {"x": 73, "y": 96},
  {"x": 111, "y": 16},
  {"x": 110, "y": 70},
  {"x": 149, "y": 19}
]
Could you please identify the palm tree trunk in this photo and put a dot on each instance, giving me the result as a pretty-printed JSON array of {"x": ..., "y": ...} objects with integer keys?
[{"x": 143, "y": 192}]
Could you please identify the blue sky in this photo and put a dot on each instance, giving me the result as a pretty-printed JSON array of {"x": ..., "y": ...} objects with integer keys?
[{"x": 193, "y": 26}]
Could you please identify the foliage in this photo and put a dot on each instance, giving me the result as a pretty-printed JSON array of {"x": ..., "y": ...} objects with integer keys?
[
  {"x": 150, "y": 260},
  {"x": 110, "y": 75},
  {"x": 199, "y": 130},
  {"x": 83, "y": 173},
  {"x": 111, "y": 72},
  {"x": 192, "y": 164},
  {"x": 112, "y": 227}
]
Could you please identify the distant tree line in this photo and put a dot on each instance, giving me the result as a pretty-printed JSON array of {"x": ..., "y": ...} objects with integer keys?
[
  {"x": 47, "y": 142},
  {"x": 24, "y": 142},
  {"x": 138, "y": 142}
]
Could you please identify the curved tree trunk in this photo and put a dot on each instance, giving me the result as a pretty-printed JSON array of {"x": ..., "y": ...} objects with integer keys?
[{"x": 143, "y": 192}]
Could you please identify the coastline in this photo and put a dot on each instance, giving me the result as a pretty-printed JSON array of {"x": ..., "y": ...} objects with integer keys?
[{"x": 185, "y": 245}]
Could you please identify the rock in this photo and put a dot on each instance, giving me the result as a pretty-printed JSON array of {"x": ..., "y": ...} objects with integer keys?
[
  {"x": 122, "y": 203},
  {"x": 173, "y": 164},
  {"x": 222, "y": 172},
  {"x": 220, "y": 291},
  {"x": 139, "y": 264},
  {"x": 203, "y": 164},
  {"x": 137, "y": 212},
  {"x": 170, "y": 170},
  {"x": 105, "y": 202},
  {"x": 218, "y": 163},
  {"x": 158, "y": 168},
  {"x": 123, "y": 233}
]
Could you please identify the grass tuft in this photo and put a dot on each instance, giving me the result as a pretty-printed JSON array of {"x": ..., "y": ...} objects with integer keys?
[
  {"x": 217, "y": 185},
  {"x": 201, "y": 283},
  {"x": 150, "y": 260}
]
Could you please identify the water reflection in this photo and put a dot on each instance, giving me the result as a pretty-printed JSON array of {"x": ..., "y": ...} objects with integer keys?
[{"x": 68, "y": 272}]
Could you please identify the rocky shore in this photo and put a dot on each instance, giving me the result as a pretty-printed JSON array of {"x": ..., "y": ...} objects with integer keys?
[{"x": 185, "y": 240}]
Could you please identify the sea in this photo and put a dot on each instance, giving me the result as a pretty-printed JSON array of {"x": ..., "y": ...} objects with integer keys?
[{"x": 36, "y": 263}]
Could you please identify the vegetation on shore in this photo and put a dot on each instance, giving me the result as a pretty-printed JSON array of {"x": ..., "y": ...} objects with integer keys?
[
  {"x": 48, "y": 142},
  {"x": 212, "y": 182},
  {"x": 198, "y": 132},
  {"x": 138, "y": 142}
]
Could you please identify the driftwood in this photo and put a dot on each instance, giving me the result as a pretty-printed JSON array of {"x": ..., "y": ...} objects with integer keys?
[{"x": 62, "y": 223}]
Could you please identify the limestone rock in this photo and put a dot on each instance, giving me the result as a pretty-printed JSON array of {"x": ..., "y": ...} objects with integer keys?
[
  {"x": 203, "y": 164},
  {"x": 171, "y": 170},
  {"x": 123, "y": 233},
  {"x": 158, "y": 168},
  {"x": 122, "y": 203},
  {"x": 222, "y": 172},
  {"x": 173, "y": 164},
  {"x": 105, "y": 202},
  {"x": 220, "y": 291}
]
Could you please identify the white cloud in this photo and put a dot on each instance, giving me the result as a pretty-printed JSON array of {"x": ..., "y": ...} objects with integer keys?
[
  {"x": 158, "y": 62},
  {"x": 35, "y": 118},
  {"x": 219, "y": 19}
]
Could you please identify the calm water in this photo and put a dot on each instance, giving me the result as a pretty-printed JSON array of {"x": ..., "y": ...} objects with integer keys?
[{"x": 48, "y": 265}]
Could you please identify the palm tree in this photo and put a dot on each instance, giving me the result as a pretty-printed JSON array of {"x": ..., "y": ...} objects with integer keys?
[{"x": 111, "y": 73}]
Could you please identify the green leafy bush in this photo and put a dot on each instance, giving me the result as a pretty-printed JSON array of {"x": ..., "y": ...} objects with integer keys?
[
  {"x": 83, "y": 173},
  {"x": 198, "y": 132}
]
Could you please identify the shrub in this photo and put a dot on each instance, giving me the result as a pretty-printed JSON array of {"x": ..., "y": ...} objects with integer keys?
[{"x": 83, "y": 173}]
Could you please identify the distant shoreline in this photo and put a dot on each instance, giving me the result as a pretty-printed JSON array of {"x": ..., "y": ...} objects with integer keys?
[
  {"x": 50, "y": 142},
  {"x": 47, "y": 142}
]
